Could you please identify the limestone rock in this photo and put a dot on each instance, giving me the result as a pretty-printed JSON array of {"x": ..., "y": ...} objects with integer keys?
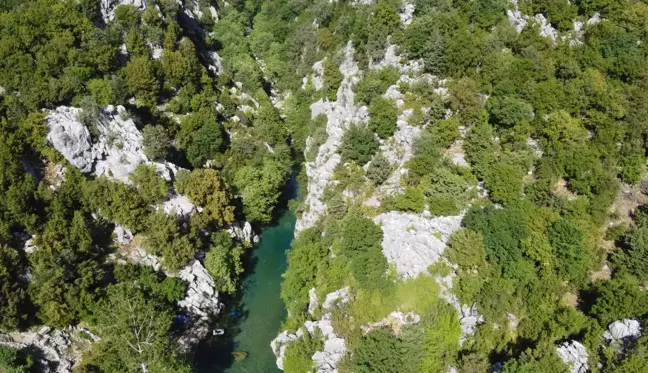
[
  {"x": 312, "y": 302},
  {"x": 334, "y": 346},
  {"x": 108, "y": 7},
  {"x": 621, "y": 330},
  {"x": 340, "y": 114},
  {"x": 117, "y": 151},
  {"x": 123, "y": 236},
  {"x": 54, "y": 347},
  {"x": 201, "y": 298},
  {"x": 395, "y": 320},
  {"x": 243, "y": 232},
  {"x": 575, "y": 355},
  {"x": 414, "y": 242},
  {"x": 70, "y": 137},
  {"x": 406, "y": 13},
  {"x": 180, "y": 206}
]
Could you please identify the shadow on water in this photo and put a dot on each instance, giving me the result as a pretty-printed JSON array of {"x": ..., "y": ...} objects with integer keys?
[{"x": 253, "y": 317}]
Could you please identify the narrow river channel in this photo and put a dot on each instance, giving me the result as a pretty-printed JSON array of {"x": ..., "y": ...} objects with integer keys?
[{"x": 254, "y": 319}]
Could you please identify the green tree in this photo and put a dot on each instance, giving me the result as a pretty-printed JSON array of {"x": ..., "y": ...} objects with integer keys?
[
  {"x": 149, "y": 185},
  {"x": 260, "y": 189},
  {"x": 358, "y": 144},
  {"x": 205, "y": 143},
  {"x": 504, "y": 182},
  {"x": 305, "y": 256},
  {"x": 142, "y": 81},
  {"x": 332, "y": 79},
  {"x": 223, "y": 261},
  {"x": 382, "y": 116},
  {"x": 205, "y": 188},
  {"x": 135, "y": 331},
  {"x": 156, "y": 142},
  {"x": 379, "y": 169},
  {"x": 13, "y": 297}
]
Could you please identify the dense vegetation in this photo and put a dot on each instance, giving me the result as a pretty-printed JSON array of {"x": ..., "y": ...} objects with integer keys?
[{"x": 552, "y": 131}]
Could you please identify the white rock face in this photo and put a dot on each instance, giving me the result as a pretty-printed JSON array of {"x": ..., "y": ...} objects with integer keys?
[
  {"x": 317, "y": 77},
  {"x": 546, "y": 29},
  {"x": 54, "y": 344},
  {"x": 70, "y": 137},
  {"x": 117, "y": 152},
  {"x": 123, "y": 236},
  {"x": 139, "y": 256},
  {"x": 108, "y": 7},
  {"x": 517, "y": 20},
  {"x": 340, "y": 114},
  {"x": 414, "y": 242},
  {"x": 399, "y": 151},
  {"x": 334, "y": 346},
  {"x": 406, "y": 13},
  {"x": 393, "y": 59},
  {"x": 202, "y": 297},
  {"x": 243, "y": 232},
  {"x": 574, "y": 354},
  {"x": 180, "y": 206},
  {"x": 625, "y": 329}
]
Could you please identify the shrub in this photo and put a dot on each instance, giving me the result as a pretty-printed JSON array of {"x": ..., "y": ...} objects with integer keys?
[
  {"x": 156, "y": 141},
  {"x": 358, "y": 144},
  {"x": 382, "y": 117},
  {"x": 379, "y": 169},
  {"x": 375, "y": 83}
]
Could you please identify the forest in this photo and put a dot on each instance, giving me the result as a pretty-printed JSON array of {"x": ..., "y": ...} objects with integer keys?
[{"x": 553, "y": 243}]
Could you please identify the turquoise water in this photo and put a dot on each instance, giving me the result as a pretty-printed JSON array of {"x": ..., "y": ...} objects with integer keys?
[
  {"x": 264, "y": 308},
  {"x": 260, "y": 307}
]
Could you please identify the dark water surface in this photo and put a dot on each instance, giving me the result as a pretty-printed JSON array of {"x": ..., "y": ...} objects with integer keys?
[{"x": 260, "y": 308}]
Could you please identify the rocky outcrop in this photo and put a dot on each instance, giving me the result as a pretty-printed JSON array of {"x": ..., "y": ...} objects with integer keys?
[
  {"x": 520, "y": 22},
  {"x": 201, "y": 298},
  {"x": 340, "y": 114},
  {"x": 395, "y": 320},
  {"x": 180, "y": 206},
  {"x": 244, "y": 233},
  {"x": 108, "y": 7},
  {"x": 406, "y": 12},
  {"x": 71, "y": 138},
  {"x": 414, "y": 242},
  {"x": 623, "y": 330},
  {"x": 52, "y": 348},
  {"x": 117, "y": 151},
  {"x": 575, "y": 355},
  {"x": 334, "y": 346}
]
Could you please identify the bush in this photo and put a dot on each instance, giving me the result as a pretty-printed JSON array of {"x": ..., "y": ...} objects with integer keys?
[
  {"x": 205, "y": 144},
  {"x": 375, "y": 83},
  {"x": 379, "y": 169},
  {"x": 332, "y": 79},
  {"x": 152, "y": 188},
  {"x": 504, "y": 182},
  {"x": 358, "y": 144},
  {"x": 382, "y": 117},
  {"x": 412, "y": 200},
  {"x": 156, "y": 141}
]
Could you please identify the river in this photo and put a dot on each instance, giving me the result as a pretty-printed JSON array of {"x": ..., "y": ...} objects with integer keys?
[{"x": 260, "y": 307}]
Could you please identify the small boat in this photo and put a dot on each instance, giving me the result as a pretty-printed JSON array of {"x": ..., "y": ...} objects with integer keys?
[
  {"x": 218, "y": 332},
  {"x": 239, "y": 355}
]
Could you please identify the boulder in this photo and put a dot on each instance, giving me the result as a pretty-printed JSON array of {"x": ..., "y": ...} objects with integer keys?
[
  {"x": 70, "y": 137},
  {"x": 575, "y": 355},
  {"x": 180, "y": 205},
  {"x": 623, "y": 330}
]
